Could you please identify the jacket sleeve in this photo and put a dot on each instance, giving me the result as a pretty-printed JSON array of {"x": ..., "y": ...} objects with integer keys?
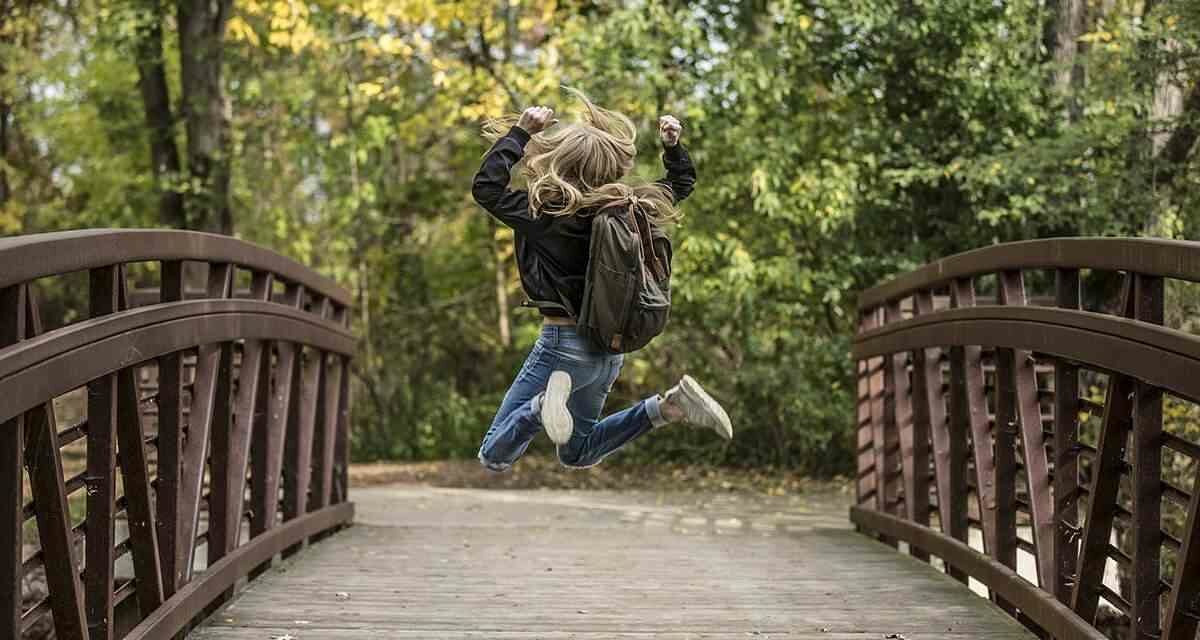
[
  {"x": 490, "y": 186},
  {"x": 681, "y": 173}
]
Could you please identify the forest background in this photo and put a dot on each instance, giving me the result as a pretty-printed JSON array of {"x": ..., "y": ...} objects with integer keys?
[{"x": 837, "y": 142}]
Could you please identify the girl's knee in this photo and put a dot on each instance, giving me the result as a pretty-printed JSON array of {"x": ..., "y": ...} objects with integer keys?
[
  {"x": 492, "y": 465},
  {"x": 572, "y": 457}
]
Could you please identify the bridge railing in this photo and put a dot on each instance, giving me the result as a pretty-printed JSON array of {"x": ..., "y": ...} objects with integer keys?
[
  {"x": 1010, "y": 438},
  {"x": 208, "y": 428}
]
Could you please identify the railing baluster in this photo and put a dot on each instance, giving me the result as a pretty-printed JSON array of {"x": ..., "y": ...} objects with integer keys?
[
  {"x": 135, "y": 477},
  {"x": 101, "y": 471},
  {"x": 1066, "y": 438},
  {"x": 916, "y": 500},
  {"x": 325, "y": 439},
  {"x": 1004, "y": 506},
  {"x": 44, "y": 462},
  {"x": 341, "y": 451},
  {"x": 877, "y": 390},
  {"x": 231, "y": 449},
  {"x": 1106, "y": 476},
  {"x": 266, "y": 449},
  {"x": 12, "y": 446},
  {"x": 1147, "y": 480},
  {"x": 170, "y": 443},
  {"x": 969, "y": 416},
  {"x": 929, "y": 417},
  {"x": 1033, "y": 439},
  {"x": 865, "y": 425},
  {"x": 1183, "y": 613},
  {"x": 210, "y": 411},
  {"x": 298, "y": 446}
]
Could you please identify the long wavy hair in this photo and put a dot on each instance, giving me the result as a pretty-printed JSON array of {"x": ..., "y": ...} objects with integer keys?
[{"x": 576, "y": 168}]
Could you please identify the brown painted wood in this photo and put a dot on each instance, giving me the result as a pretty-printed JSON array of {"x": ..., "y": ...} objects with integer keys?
[
  {"x": 1066, "y": 439},
  {"x": 231, "y": 448},
  {"x": 1033, "y": 439},
  {"x": 1004, "y": 433},
  {"x": 101, "y": 479},
  {"x": 12, "y": 447},
  {"x": 210, "y": 411},
  {"x": 135, "y": 479},
  {"x": 898, "y": 415},
  {"x": 1146, "y": 454},
  {"x": 1183, "y": 612},
  {"x": 914, "y": 464},
  {"x": 170, "y": 444},
  {"x": 324, "y": 441},
  {"x": 44, "y": 464},
  {"x": 930, "y": 413},
  {"x": 961, "y": 422},
  {"x": 341, "y": 453},
  {"x": 876, "y": 384},
  {"x": 867, "y": 321},
  {"x": 266, "y": 450},
  {"x": 298, "y": 446},
  {"x": 969, "y": 361},
  {"x": 1106, "y": 476}
]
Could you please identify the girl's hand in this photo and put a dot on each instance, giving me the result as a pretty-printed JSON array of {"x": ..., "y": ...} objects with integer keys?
[
  {"x": 669, "y": 129},
  {"x": 536, "y": 119}
]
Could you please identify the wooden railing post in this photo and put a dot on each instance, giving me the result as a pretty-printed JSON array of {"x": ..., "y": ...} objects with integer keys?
[
  {"x": 929, "y": 422},
  {"x": 1184, "y": 611},
  {"x": 101, "y": 470},
  {"x": 170, "y": 443},
  {"x": 12, "y": 446},
  {"x": 1066, "y": 451},
  {"x": 968, "y": 417},
  {"x": 1106, "y": 476},
  {"x": 1145, "y": 600},
  {"x": 1033, "y": 439},
  {"x": 43, "y": 460}
]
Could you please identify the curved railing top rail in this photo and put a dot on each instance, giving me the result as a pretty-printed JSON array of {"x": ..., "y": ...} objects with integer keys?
[
  {"x": 1149, "y": 256},
  {"x": 27, "y": 258}
]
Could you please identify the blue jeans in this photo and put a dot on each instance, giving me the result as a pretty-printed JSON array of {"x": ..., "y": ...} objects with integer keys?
[{"x": 593, "y": 373}]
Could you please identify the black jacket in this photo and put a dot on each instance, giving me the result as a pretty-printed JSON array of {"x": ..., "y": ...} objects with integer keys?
[{"x": 552, "y": 251}]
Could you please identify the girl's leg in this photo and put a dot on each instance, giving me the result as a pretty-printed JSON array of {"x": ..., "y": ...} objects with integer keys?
[
  {"x": 594, "y": 440},
  {"x": 517, "y": 422}
]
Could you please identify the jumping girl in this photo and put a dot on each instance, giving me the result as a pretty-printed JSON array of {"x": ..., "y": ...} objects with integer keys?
[{"x": 572, "y": 173}]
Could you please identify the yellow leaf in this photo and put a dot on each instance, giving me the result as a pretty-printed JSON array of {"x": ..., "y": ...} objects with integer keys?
[
  {"x": 370, "y": 89},
  {"x": 239, "y": 30},
  {"x": 805, "y": 22}
]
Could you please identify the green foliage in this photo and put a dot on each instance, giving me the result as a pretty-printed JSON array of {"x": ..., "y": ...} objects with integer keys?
[{"x": 837, "y": 142}]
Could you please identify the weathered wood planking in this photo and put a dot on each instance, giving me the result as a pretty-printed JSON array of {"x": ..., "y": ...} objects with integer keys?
[{"x": 436, "y": 563}]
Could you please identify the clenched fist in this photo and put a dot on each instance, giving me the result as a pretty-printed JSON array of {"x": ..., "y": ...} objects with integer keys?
[
  {"x": 536, "y": 119},
  {"x": 669, "y": 129}
]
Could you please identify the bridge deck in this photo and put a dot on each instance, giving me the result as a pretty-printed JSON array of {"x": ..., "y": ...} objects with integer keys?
[{"x": 443, "y": 563}]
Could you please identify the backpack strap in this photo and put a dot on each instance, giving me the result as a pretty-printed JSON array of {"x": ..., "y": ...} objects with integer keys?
[{"x": 641, "y": 224}]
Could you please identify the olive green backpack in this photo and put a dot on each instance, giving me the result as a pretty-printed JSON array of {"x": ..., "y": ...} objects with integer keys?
[{"x": 627, "y": 292}]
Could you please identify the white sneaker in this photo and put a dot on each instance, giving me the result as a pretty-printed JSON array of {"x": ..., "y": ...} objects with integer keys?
[
  {"x": 555, "y": 416},
  {"x": 698, "y": 407}
]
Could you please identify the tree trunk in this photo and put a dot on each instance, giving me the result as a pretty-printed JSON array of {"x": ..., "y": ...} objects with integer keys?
[
  {"x": 156, "y": 102},
  {"x": 501, "y": 283},
  {"x": 1069, "y": 24},
  {"x": 201, "y": 35},
  {"x": 5, "y": 111}
]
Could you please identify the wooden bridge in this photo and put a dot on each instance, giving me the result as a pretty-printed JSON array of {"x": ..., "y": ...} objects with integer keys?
[{"x": 175, "y": 462}]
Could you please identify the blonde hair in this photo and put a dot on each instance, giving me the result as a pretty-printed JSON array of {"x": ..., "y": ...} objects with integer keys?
[{"x": 577, "y": 167}]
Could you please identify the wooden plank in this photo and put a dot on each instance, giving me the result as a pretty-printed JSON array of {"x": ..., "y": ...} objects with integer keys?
[
  {"x": 1033, "y": 439},
  {"x": 1106, "y": 477},
  {"x": 12, "y": 447},
  {"x": 622, "y": 578},
  {"x": 210, "y": 411},
  {"x": 44, "y": 464},
  {"x": 266, "y": 449},
  {"x": 1066, "y": 440},
  {"x": 104, "y": 290},
  {"x": 170, "y": 444},
  {"x": 1145, "y": 614},
  {"x": 325, "y": 440},
  {"x": 231, "y": 449},
  {"x": 1183, "y": 612}
]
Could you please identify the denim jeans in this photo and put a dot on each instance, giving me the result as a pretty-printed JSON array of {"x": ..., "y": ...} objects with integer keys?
[{"x": 593, "y": 373}]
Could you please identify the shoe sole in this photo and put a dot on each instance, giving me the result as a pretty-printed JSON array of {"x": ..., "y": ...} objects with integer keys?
[
  {"x": 724, "y": 428},
  {"x": 555, "y": 416}
]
